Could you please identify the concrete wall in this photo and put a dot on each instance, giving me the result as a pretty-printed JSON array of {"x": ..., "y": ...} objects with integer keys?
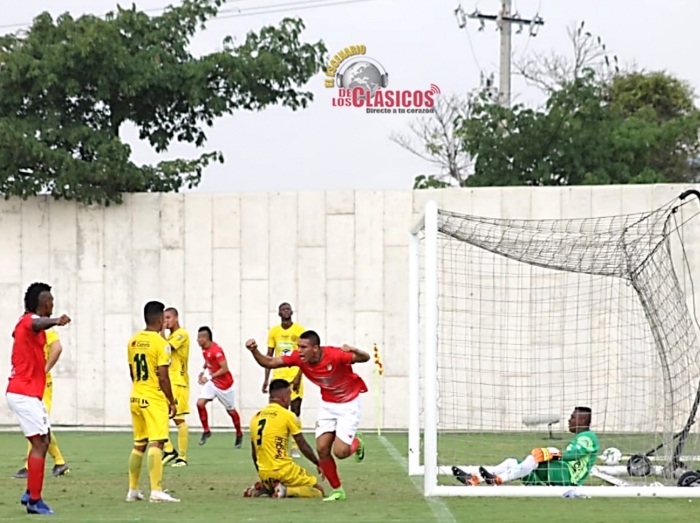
[{"x": 228, "y": 260}]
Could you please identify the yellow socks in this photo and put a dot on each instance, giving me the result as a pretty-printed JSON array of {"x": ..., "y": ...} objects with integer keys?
[
  {"x": 168, "y": 447},
  {"x": 183, "y": 438},
  {"x": 135, "y": 461},
  {"x": 303, "y": 492},
  {"x": 155, "y": 467},
  {"x": 54, "y": 452}
]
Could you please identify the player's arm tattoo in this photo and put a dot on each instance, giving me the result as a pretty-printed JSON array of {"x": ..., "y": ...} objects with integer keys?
[
  {"x": 358, "y": 355},
  {"x": 253, "y": 455},
  {"x": 164, "y": 382},
  {"x": 305, "y": 448},
  {"x": 41, "y": 324},
  {"x": 266, "y": 361}
]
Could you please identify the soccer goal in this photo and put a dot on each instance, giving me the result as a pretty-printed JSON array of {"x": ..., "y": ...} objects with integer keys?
[{"x": 513, "y": 323}]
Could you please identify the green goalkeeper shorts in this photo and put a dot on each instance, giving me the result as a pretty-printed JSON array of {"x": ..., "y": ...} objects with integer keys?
[{"x": 551, "y": 473}]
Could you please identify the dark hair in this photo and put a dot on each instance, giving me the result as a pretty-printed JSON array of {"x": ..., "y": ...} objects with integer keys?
[
  {"x": 173, "y": 310},
  {"x": 312, "y": 336},
  {"x": 31, "y": 297},
  {"x": 152, "y": 312},
  {"x": 208, "y": 331},
  {"x": 283, "y": 304},
  {"x": 585, "y": 410},
  {"x": 278, "y": 385}
]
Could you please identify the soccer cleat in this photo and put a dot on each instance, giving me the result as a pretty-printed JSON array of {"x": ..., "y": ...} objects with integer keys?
[
  {"x": 158, "y": 496},
  {"x": 60, "y": 470},
  {"x": 360, "y": 452},
  {"x": 336, "y": 494},
  {"x": 239, "y": 441},
  {"x": 280, "y": 491},
  {"x": 295, "y": 453},
  {"x": 20, "y": 474},
  {"x": 25, "y": 498},
  {"x": 39, "y": 507},
  {"x": 205, "y": 436},
  {"x": 135, "y": 495},
  {"x": 169, "y": 456},
  {"x": 179, "y": 462},
  {"x": 490, "y": 479}
]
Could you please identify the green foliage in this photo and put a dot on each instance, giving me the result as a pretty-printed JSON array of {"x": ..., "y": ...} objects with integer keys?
[
  {"x": 640, "y": 128},
  {"x": 67, "y": 86},
  {"x": 429, "y": 181}
]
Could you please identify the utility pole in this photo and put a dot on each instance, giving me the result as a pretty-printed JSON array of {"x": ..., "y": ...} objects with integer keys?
[{"x": 504, "y": 22}]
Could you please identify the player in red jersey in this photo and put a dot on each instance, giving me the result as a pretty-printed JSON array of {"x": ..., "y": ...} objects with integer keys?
[
  {"x": 218, "y": 385},
  {"x": 25, "y": 389},
  {"x": 339, "y": 412}
]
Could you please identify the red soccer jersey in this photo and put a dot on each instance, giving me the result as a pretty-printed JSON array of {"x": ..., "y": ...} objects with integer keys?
[
  {"x": 28, "y": 374},
  {"x": 213, "y": 356},
  {"x": 333, "y": 374}
]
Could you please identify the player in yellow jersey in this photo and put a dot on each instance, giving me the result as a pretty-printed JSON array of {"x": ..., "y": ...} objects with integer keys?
[
  {"x": 270, "y": 430},
  {"x": 152, "y": 403},
  {"x": 282, "y": 340},
  {"x": 52, "y": 350},
  {"x": 179, "y": 341}
]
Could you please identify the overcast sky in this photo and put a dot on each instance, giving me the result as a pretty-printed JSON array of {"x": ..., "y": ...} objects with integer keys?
[{"x": 419, "y": 43}]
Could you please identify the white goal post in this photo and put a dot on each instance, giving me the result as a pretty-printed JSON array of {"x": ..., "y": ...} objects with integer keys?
[{"x": 612, "y": 273}]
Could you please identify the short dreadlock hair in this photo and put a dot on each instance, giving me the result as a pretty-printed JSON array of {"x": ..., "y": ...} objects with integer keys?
[{"x": 31, "y": 297}]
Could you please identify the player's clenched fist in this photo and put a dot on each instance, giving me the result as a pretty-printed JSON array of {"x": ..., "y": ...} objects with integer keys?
[
  {"x": 543, "y": 454},
  {"x": 173, "y": 410},
  {"x": 251, "y": 345},
  {"x": 63, "y": 320}
]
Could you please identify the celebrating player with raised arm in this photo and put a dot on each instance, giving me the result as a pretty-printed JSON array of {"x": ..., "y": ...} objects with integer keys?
[
  {"x": 339, "y": 412},
  {"x": 546, "y": 466},
  {"x": 152, "y": 403},
  {"x": 219, "y": 385},
  {"x": 26, "y": 386},
  {"x": 270, "y": 430},
  {"x": 179, "y": 341}
]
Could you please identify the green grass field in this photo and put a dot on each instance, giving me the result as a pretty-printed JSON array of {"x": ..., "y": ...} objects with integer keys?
[{"x": 211, "y": 490}]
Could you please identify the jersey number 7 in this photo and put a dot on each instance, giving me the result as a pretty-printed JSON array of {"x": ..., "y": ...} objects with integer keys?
[{"x": 261, "y": 427}]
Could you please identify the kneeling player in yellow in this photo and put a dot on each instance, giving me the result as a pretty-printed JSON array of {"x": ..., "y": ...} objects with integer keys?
[
  {"x": 52, "y": 351},
  {"x": 152, "y": 403},
  {"x": 270, "y": 430}
]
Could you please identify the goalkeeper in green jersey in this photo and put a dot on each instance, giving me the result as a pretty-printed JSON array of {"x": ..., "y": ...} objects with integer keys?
[{"x": 546, "y": 465}]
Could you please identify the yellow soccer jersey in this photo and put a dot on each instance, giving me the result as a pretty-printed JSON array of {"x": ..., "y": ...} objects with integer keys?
[
  {"x": 51, "y": 337},
  {"x": 147, "y": 351},
  {"x": 179, "y": 342},
  {"x": 285, "y": 341},
  {"x": 270, "y": 430}
]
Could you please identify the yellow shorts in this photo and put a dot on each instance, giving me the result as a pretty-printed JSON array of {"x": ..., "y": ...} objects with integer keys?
[
  {"x": 182, "y": 400},
  {"x": 290, "y": 475},
  {"x": 295, "y": 395},
  {"x": 48, "y": 397},
  {"x": 151, "y": 421}
]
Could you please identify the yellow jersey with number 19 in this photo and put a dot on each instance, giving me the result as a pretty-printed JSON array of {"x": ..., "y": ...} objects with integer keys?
[
  {"x": 147, "y": 351},
  {"x": 179, "y": 342},
  {"x": 270, "y": 430}
]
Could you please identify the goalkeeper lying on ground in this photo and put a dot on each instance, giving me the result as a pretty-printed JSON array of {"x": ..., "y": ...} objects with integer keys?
[{"x": 546, "y": 465}]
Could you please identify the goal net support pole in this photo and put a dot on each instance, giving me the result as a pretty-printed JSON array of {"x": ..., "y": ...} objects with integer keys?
[{"x": 424, "y": 391}]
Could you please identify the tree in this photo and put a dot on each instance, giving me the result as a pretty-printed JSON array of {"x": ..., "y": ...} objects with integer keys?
[
  {"x": 588, "y": 133},
  {"x": 67, "y": 87},
  {"x": 434, "y": 140},
  {"x": 552, "y": 71}
]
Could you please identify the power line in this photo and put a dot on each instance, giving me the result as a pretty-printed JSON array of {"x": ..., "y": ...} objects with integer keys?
[{"x": 227, "y": 13}]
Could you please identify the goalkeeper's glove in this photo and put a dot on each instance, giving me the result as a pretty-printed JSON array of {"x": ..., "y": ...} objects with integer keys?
[{"x": 543, "y": 454}]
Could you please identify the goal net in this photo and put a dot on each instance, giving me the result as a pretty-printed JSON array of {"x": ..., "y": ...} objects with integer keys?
[{"x": 516, "y": 322}]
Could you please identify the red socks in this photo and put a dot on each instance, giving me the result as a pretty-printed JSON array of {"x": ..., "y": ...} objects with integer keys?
[
  {"x": 35, "y": 476},
  {"x": 330, "y": 471},
  {"x": 203, "y": 417},
  {"x": 236, "y": 421}
]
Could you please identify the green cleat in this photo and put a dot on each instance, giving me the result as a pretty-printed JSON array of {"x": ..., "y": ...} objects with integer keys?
[
  {"x": 360, "y": 452},
  {"x": 336, "y": 495}
]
